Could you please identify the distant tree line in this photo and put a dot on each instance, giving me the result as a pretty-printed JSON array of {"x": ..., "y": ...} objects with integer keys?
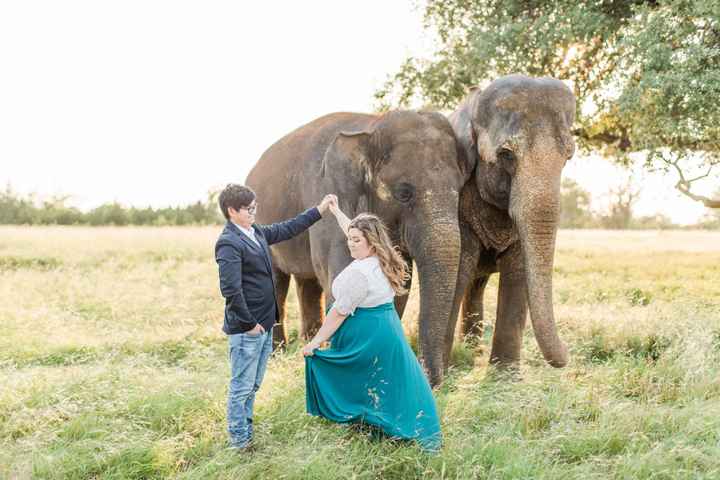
[
  {"x": 16, "y": 209},
  {"x": 576, "y": 211}
]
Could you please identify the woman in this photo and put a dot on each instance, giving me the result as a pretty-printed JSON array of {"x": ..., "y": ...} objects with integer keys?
[{"x": 369, "y": 374}]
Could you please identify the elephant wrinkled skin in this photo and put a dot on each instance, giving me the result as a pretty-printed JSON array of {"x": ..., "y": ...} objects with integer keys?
[
  {"x": 403, "y": 166},
  {"x": 516, "y": 134}
]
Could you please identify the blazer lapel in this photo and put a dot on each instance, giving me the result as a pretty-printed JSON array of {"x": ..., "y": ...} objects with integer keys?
[
  {"x": 266, "y": 251},
  {"x": 245, "y": 238},
  {"x": 252, "y": 244},
  {"x": 260, "y": 247}
]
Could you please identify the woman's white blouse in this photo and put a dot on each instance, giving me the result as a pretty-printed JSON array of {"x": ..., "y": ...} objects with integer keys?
[{"x": 361, "y": 284}]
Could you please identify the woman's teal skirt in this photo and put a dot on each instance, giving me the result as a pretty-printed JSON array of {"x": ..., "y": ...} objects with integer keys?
[{"x": 371, "y": 375}]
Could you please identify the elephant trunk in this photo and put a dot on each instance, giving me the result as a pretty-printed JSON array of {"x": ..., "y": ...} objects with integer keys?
[
  {"x": 536, "y": 216},
  {"x": 437, "y": 259}
]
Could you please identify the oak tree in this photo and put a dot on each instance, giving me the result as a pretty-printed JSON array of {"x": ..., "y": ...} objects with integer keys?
[{"x": 646, "y": 73}]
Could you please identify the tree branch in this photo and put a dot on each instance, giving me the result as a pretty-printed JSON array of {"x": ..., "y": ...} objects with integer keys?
[
  {"x": 606, "y": 137},
  {"x": 684, "y": 188},
  {"x": 702, "y": 176},
  {"x": 683, "y": 185}
]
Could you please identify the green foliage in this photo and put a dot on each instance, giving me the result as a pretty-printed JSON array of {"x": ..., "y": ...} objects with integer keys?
[
  {"x": 599, "y": 348},
  {"x": 645, "y": 72},
  {"x": 649, "y": 347},
  {"x": 670, "y": 69},
  {"x": 638, "y": 297},
  {"x": 18, "y": 210}
]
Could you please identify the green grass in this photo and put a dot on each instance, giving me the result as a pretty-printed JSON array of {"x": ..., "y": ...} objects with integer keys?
[{"x": 113, "y": 365}]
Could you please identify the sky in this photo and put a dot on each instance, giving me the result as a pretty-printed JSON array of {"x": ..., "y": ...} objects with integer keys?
[{"x": 158, "y": 102}]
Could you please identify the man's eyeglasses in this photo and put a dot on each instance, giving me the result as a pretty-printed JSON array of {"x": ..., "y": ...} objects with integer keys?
[{"x": 250, "y": 209}]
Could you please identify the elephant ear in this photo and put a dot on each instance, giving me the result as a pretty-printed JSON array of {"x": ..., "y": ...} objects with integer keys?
[
  {"x": 348, "y": 166},
  {"x": 348, "y": 153},
  {"x": 468, "y": 148},
  {"x": 485, "y": 147},
  {"x": 492, "y": 180},
  {"x": 461, "y": 121}
]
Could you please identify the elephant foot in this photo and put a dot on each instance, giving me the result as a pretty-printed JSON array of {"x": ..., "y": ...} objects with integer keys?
[
  {"x": 434, "y": 376},
  {"x": 280, "y": 340},
  {"x": 504, "y": 371},
  {"x": 475, "y": 344},
  {"x": 473, "y": 325},
  {"x": 504, "y": 361},
  {"x": 308, "y": 333}
]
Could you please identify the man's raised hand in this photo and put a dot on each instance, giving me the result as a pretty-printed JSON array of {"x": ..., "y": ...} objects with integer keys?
[{"x": 327, "y": 201}]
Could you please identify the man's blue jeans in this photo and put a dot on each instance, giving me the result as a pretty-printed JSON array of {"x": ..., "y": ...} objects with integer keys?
[{"x": 249, "y": 356}]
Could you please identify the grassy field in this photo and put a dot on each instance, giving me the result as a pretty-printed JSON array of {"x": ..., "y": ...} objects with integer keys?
[{"x": 113, "y": 365}]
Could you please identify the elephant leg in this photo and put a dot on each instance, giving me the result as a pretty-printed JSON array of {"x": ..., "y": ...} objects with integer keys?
[
  {"x": 472, "y": 308},
  {"x": 511, "y": 310},
  {"x": 401, "y": 301},
  {"x": 310, "y": 295},
  {"x": 282, "y": 284},
  {"x": 469, "y": 258}
]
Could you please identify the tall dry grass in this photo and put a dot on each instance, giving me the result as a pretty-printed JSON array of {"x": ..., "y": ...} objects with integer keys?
[{"x": 112, "y": 365}]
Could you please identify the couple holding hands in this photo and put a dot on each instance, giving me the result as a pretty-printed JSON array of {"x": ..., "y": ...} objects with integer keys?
[{"x": 368, "y": 374}]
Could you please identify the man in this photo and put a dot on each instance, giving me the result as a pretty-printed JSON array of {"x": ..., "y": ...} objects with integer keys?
[{"x": 246, "y": 282}]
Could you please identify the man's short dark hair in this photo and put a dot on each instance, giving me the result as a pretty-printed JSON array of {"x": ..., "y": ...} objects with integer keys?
[{"x": 235, "y": 196}]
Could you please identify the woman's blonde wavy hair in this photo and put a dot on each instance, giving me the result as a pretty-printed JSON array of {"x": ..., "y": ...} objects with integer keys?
[{"x": 391, "y": 262}]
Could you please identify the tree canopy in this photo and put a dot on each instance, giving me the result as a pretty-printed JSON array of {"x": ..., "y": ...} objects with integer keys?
[{"x": 646, "y": 73}]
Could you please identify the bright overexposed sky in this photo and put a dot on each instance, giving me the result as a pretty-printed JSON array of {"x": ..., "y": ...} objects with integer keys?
[{"x": 156, "y": 102}]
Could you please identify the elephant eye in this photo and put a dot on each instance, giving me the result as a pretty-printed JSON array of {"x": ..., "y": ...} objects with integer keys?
[
  {"x": 506, "y": 159},
  {"x": 404, "y": 192}
]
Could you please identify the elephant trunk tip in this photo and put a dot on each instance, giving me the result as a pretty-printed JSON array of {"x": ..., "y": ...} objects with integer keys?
[
  {"x": 558, "y": 359},
  {"x": 559, "y": 363}
]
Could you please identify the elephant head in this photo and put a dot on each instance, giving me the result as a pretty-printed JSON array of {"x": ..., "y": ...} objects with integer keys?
[
  {"x": 404, "y": 166},
  {"x": 516, "y": 132}
]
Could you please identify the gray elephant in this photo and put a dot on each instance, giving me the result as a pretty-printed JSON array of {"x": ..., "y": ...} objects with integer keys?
[
  {"x": 403, "y": 166},
  {"x": 516, "y": 133}
]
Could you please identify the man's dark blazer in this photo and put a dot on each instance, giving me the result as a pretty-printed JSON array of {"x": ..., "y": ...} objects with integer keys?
[{"x": 246, "y": 279}]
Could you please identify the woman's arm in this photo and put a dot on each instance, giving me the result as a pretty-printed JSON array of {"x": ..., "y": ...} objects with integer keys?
[
  {"x": 341, "y": 218},
  {"x": 330, "y": 325}
]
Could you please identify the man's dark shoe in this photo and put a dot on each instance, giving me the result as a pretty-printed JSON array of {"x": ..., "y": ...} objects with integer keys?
[{"x": 247, "y": 448}]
